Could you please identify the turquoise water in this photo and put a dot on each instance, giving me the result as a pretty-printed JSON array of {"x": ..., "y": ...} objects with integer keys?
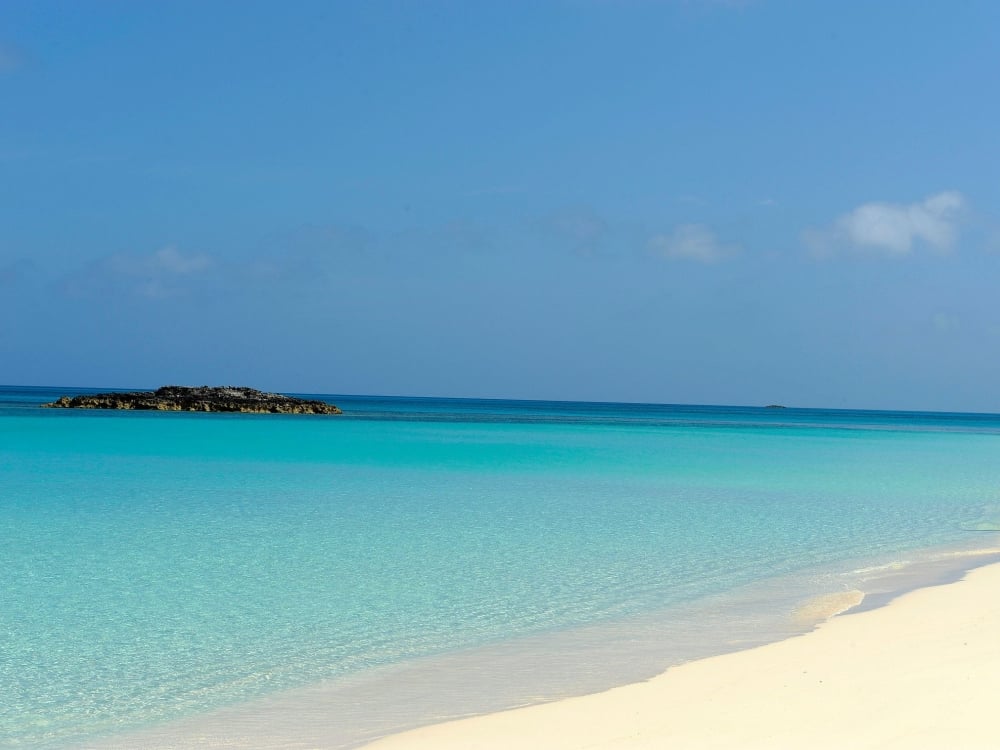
[{"x": 161, "y": 565}]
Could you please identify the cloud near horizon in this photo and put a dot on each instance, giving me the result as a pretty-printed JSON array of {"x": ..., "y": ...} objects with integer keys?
[
  {"x": 694, "y": 242},
  {"x": 892, "y": 229},
  {"x": 154, "y": 276},
  {"x": 16, "y": 271},
  {"x": 10, "y": 58},
  {"x": 579, "y": 228}
]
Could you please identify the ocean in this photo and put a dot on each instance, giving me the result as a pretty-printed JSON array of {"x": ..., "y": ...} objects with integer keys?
[{"x": 160, "y": 567}]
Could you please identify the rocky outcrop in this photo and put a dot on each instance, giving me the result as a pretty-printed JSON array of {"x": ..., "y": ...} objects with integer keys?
[{"x": 203, "y": 398}]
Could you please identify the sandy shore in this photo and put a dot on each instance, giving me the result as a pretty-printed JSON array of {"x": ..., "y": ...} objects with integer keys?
[{"x": 921, "y": 672}]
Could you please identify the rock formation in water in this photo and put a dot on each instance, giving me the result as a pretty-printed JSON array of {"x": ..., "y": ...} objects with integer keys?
[{"x": 203, "y": 398}]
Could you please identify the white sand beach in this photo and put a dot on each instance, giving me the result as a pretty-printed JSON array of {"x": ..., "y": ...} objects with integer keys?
[{"x": 920, "y": 672}]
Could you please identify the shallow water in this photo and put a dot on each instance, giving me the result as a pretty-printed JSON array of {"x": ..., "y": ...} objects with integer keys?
[{"x": 159, "y": 566}]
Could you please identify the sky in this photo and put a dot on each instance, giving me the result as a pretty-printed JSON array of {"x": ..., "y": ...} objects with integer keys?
[{"x": 690, "y": 201}]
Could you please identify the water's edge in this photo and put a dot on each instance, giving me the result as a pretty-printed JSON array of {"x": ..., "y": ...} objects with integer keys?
[{"x": 355, "y": 711}]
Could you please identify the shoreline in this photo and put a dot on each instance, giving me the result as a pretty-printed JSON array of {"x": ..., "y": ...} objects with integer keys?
[
  {"x": 487, "y": 681},
  {"x": 922, "y": 670}
]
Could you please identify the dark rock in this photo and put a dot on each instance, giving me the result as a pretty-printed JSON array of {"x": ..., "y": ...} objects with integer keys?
[{"x": 203, "y": 398}]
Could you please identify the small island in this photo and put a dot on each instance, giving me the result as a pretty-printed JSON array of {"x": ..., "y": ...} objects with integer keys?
[{"x": 203, "y": 398}]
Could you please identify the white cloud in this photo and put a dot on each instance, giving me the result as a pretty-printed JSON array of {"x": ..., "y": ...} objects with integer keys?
[
  {"x": 579, "y": 229},
  {"x": 156, "y": 275},
  {"x": 167, "y": 261},
  {"x": 893, "y": 229},
  {"x": 10, "y": 58},
  {"x": 16, "y": 271},
  {"x": 943, "y": 322},
  {"x": 691, "y": 242},
  {"x": 991, "y": 242},
  {"x": 581, "y": 226}
]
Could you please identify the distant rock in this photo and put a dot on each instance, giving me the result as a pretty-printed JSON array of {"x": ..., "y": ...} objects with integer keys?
[
  {"x": 204, "y": 398},
  {"x": 775, "y": 406}
]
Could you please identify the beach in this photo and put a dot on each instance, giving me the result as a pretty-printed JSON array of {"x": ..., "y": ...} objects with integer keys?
[{"x": 922, "y": 671}]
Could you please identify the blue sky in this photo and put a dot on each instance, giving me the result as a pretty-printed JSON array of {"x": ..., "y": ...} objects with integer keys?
[{"x": 682, "y": 202}]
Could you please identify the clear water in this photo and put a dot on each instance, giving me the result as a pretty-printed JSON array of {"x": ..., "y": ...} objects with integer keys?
[{"x": 160, "y": 565}]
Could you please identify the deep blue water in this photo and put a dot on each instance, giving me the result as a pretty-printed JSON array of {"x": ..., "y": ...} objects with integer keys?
[{"x": 161, "y": 564}]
